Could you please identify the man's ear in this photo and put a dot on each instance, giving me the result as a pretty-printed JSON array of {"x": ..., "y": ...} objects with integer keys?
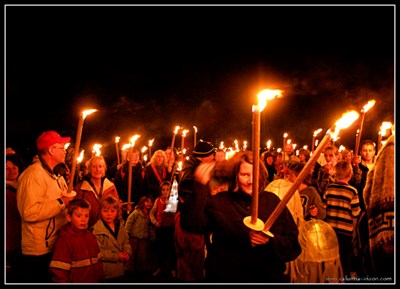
[{"x": 51, "y": 151}]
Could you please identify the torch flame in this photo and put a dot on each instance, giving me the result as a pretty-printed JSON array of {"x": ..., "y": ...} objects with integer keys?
[
  {"x": 236, "y": 145},
  {"x": 96, "y": 149},
  {"x": 285, "y": 135},
  {"x": 80, "y": 158},
  {"x": 385, "y": 126},
  {"x": 184, "y": 132},
  {"x": 126, "y": 146},
  {"x": 267, "y": 94},
  {"x": 133, "y": 139},
  {"x": 317, "y": 132},
  {"x": 151, "y": 142},
  {"x": 144, "y": 148},
  {"x": 269, "y": 143},
  {"x": 117, "y": 139},
  {"x": 85, "y": 113},
  {"x": 195, "y": 128},
  {"x": 176, "y": 129},
  {"x": 370, "y": 104},
  {"x": 221, "y": 145},
  {"x": 345, "y": 121},
  {"x": 66, "y": 145}
]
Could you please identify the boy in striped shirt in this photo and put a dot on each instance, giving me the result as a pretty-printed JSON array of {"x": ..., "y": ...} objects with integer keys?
[{"x": 343, "y": 207}]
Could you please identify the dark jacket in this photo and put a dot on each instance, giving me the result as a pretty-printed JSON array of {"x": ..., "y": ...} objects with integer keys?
[
  {"x": 153, "y": 180},
  {"x": 121, "y": 182},
  {"x": 231, "y": 257}
]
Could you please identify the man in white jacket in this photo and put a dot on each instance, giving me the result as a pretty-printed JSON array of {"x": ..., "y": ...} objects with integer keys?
[{"x": 42, "y": 199}]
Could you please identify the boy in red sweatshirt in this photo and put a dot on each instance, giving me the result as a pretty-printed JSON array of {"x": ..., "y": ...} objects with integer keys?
[{"x": 76, "y": 257}]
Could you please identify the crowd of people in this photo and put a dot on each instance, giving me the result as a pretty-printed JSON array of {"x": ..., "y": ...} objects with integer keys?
[{"x": 117, "y": 225}]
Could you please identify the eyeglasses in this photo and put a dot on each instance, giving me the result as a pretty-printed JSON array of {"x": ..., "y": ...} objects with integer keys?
[{"x": 60, "y": 148}]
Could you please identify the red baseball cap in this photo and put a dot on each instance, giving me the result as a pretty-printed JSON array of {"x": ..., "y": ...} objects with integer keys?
[{"x": 48, "y": 138}]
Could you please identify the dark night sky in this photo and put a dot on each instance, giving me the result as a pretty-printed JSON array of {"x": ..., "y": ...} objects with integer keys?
[{"x": 150, "y": 68}]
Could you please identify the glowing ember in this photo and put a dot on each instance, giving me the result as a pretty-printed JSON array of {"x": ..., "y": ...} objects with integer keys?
[
  {"x": 80, "y": 158},
  {"x": 369, "y": 105},
  {"x": 126, "y": 146},
  {"x": 133, "y": 139},
  {"x": 384, "y": 127},
  {"x": 267, "y": 94},
  {"x": 317, "y": 132},
  {"x": 176, "y": 129},
  {"x": 184, "y": 132},
  {"x": 96, "y": 149},
  {"x": 85, "y": 113},
  {"x": 345, "y": 121}
]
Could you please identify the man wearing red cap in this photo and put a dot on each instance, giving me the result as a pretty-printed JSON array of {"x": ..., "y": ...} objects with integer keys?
[{"x": 42, "y": 199}]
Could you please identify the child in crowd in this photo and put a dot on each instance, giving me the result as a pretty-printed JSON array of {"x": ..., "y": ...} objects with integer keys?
[
  {"x": 76, "y": 257},
  {"x": 164, "y": 223},
  {"x": 113, "y": 240},
  {"x": 325, "y": 175},
  {"x": 343, "y": 207},
  {"x": 313, "y": 207},
  {"x": 138, "y": 226}
]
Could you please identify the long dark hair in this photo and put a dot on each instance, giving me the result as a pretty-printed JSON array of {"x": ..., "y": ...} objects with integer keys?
[{"x": 228, "y": 170}]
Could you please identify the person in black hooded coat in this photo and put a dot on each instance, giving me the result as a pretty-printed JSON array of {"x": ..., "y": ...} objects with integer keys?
[{"x": 238, "y": 254}]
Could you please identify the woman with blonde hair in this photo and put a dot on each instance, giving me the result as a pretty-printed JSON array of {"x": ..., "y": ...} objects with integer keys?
[
  {"x": 94, "y": 186},
  {"x": 156, "y": 172}
]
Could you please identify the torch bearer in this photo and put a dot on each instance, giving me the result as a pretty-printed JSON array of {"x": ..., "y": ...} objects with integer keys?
[
  {"x": 285, "y": 135},
  {"x": 344, "y": 122},
  {"x": 184, "y": 132},
  {"x": 77, "y": 145},
  {"x": 267, "y": 94},
  {"x": 150, "y": 145},
  {"x": 132, "y": 140},
  {"x": 173, "y": 136},
  {"x": 117, "y": 149},
  {"x": 384, "y": 127},
  {"x": 366, "y": 107},
  {"x": 96, "y": 150},
  {"x": 144, "y": 149},
  {"x": 78, "y": 163},
  {"x": 269, "y": 142},
  {"x": 313, "y": 139},
  {"x": 194, "y": 136}
]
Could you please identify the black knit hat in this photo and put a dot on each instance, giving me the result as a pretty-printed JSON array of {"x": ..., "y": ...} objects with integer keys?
[{"x": 203, "y": 149}]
